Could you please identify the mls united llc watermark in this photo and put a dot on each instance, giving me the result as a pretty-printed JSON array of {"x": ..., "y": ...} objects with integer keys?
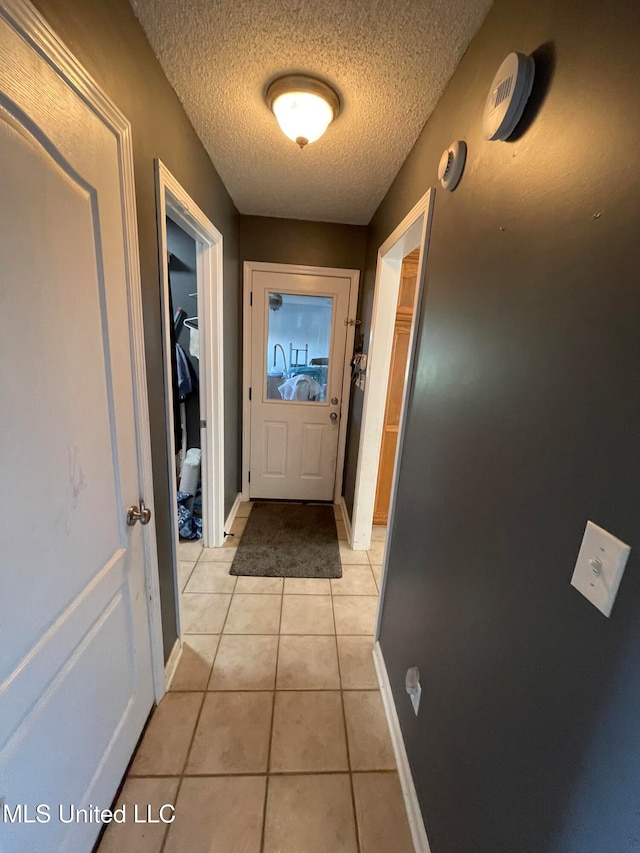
[{"x": 43, "y": 813}]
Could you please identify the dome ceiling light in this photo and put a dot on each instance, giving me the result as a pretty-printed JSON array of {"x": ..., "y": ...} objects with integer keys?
[{"x": 304, "y": 106}]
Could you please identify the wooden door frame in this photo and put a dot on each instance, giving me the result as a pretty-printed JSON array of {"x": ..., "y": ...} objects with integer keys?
[
  {"x": 403, "y": 326},
  {"x": 34, "y": 29},
  {"x": 249, "y": 267},
  {"x": 413, "y": 231}
]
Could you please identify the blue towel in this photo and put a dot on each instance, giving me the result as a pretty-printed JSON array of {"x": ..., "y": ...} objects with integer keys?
[{"x": 189, "y": 526}]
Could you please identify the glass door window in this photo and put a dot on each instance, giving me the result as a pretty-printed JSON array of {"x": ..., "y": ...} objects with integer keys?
[{"x": 298, "y": 345}]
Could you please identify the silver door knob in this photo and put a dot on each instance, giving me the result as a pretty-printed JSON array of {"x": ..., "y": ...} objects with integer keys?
[
  {"x": 334, "y": 417},
  {"x": 138, "y": 513}
]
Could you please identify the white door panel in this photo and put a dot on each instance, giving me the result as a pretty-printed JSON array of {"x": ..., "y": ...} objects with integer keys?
[
  {"x": 276, "y": 435},
  {"x": 75, "y": 660},
  {"x": 312, "y": 450},
  {"x": 298, "y": 335}
]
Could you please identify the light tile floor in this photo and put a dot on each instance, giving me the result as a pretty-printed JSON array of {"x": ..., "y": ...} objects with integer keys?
[{"x": 272, "y": 738}]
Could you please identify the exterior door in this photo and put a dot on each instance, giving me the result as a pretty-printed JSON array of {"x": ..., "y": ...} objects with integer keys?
[
  {"x": 298, "y": 331},
  {"x": 395, "y": 387},
  {"x": 75, "y": 657}
]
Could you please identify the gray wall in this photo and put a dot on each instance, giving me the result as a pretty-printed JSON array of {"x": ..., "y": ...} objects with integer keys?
[
  {"x": 108, "y": 40},
  {"x": 524, "y": 420},
  {"x": 296, "y": 241}
]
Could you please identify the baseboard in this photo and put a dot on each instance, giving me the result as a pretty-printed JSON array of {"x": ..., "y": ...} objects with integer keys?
[
  {"x": 414, "y": 814},
  {"x": 232, "y": 512},
  {"x": 172, "y": 664},
  {"x": 345, "y": 518}
]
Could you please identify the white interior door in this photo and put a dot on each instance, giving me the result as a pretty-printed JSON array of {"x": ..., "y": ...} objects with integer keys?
[
  {"x": 75, "y": 659},
  {"x": 298, "y": 338}
]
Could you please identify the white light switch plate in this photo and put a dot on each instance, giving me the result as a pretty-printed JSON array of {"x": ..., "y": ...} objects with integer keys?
[{"x": 599, "y": 567}]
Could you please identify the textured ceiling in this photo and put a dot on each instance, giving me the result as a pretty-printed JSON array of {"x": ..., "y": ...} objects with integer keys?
[{"x": 389, "y": 60}]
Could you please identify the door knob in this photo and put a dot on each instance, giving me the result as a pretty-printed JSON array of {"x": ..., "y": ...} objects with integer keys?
[
  {"x": 334, "y": 417},
  {"x": 334, "y": 401},
  {"x": 138, "y": 513}
]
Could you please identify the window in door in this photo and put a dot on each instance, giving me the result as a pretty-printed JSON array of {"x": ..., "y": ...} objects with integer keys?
[{"x": 298, "y": 344}]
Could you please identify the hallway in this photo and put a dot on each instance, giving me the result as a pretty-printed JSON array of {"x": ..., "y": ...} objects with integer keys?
[{"x": 273, "y": 735}]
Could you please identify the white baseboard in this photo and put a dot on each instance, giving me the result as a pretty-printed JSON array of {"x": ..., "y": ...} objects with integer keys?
[
  {"x": 172, "y": 664},
  {"x": 232, "y": 512},
  {"x": 414, "y": 814},
  {"x": 345, "y": 518}
]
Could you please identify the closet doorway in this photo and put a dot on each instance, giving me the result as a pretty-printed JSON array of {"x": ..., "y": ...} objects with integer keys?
[
  {"x": 382, "y": 418},
  {"x": 190, "y": 255},
  {"x": 185, "y": 374},
  {"x": 405, "y": 309}
]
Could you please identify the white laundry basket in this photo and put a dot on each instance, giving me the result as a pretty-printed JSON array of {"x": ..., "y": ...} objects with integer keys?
[{"x": 191, "y": 471}]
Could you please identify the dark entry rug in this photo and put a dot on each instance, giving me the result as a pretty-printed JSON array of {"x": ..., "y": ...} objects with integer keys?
[{"x": 289, "y": 540}]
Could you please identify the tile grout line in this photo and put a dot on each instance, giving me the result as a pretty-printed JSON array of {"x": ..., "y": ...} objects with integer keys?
[
  {"x": 184, "y": 765},
  {"x": 204, "y": 693},
  {"x": 193, "y": 568},
  {"x": 280, "y": 689},
  {"x": 197, "y": 722},
  {"x": 344, "y": 721},
  {"x": 220, "y": 637},
  {"x": 180, "y": 776},
  {"x": 168, "y": 826},
  {"x": 193, "y": 734},
  {"x": 273, "y": 715},
  {"x": 305, "y": 594},
  {"x": 217, "y": 651},
  {"x": 253, "y": 773}
]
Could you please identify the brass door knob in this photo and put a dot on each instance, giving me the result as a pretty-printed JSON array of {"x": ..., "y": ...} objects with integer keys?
[{"x": 139, "y": 513}]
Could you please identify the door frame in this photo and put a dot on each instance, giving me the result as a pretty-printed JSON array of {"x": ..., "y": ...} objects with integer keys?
[
  {"x": 414, "y": 231},
  {"x": 249, "y": 267},
  {"x": 173, "y": 201},
  {"x": 28, "y": 22}
]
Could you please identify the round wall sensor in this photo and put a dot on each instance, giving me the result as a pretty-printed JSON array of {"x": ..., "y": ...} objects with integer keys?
[
  {"x": 508, "y": 96},
  {"x": 451, "y": 165}
]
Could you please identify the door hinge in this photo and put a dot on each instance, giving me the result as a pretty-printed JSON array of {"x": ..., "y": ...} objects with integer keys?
[
  {"x": 249, "y": 477},
  {"x": 251, "y": 298},
  {"x": 249, "y": 393},
  {"x": 203, "y": 424}
]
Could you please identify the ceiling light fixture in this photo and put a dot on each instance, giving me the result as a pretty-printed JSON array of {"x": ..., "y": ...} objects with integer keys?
[{"x": 304, "y": 106}]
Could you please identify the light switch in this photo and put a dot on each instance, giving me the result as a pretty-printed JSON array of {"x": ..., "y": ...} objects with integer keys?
[{"x": 599, "y": 567}]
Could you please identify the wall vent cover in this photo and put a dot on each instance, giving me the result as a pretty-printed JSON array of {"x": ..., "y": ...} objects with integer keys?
[
  {"x": 451, "y": 165},
  {"x": 508, "y": 96},
  {"x": 503, "y": 91}
]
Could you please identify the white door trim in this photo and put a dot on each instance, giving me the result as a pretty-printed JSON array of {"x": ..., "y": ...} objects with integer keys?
[
  {"x": 298, "y": 269},
  {"x": 173, "y": 201},
  {"x": 413, "y": 231},
  {"x": 411, "y": 803},
  {"x": 26, "y": 20}
]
